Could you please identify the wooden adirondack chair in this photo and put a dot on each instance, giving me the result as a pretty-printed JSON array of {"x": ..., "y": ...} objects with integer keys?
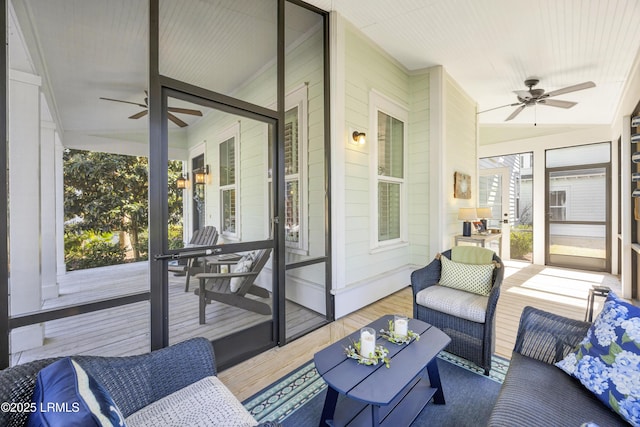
[
  {"x": 219, "y": 287},
  {"x": 205, "y": 236}
]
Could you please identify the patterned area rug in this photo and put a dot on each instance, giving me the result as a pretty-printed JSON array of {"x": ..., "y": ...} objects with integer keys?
[{"x": 281, "y": 399}]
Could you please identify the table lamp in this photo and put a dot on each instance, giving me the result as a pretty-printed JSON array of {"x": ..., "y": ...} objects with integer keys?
[
  {"x": 467, "y": 215},
  {"x": 483, "y": 214}
]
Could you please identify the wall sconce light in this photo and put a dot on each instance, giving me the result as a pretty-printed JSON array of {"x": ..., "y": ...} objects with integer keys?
[
  {"x": 181, "y": 182},
  {"x": 359, "y": 138},
  {"x": 200, "y": 175},
  {"x": 467, "y": 215}
]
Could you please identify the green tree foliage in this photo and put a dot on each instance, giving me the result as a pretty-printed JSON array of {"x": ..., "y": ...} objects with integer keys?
[{"x": 108, "y": 193}]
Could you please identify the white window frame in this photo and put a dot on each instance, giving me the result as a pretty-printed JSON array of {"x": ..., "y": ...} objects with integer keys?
[
  {"x": 298, "y": 97},
  {"x": 231, "y": 132},
  {"x": 379, "y": 102}
]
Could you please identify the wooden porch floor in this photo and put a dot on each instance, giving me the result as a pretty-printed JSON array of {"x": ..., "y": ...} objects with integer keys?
[
  {"x": 557, "y": 290},
  {"x": 125, "y": 330}
]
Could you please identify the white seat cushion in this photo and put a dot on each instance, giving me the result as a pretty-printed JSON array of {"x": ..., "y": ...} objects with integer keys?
[
  {"x": 207, "y": 402},
  {"x": 455, "y": 302}
]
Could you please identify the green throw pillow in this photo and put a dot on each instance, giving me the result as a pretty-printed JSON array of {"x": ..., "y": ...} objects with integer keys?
[{"x": 476, "y": 278}]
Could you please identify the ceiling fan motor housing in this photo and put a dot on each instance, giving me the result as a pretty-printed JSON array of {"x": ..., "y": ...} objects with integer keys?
[{"x": 531, "y": 82}]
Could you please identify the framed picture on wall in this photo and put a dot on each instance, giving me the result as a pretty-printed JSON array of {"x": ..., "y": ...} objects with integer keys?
[{"x": 461, "y": 186}]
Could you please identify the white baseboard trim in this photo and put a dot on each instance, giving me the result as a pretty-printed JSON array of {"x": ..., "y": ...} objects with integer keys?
[
  {"x": 50, "y": 291},
  {"x": 357, "y": 295},
  {"x": 307, "y": 294}
]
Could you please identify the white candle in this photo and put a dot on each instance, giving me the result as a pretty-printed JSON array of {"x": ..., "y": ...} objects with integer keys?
[
  {"x": 367, "y": 342},
  {"x": 400, "y": 325}
]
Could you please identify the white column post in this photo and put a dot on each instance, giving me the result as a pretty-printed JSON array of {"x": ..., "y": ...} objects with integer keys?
[
  {"x": 48, "y": 209},
  {"x": 61, "y": 267},
  {"x": 24, "y": 205}
]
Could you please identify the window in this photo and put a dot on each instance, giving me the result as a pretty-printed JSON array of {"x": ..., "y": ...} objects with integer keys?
[
  {"x": 295, "y": 146},
  {"x": 292, "y": 177},
  {"x": 558, "y": 205},
  {"x": 389, "y": 172},
  {"x": 228, "y": 187}
]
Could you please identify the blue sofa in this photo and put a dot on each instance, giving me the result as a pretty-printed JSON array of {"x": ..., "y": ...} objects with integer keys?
[{"x": 134, "y": 382}]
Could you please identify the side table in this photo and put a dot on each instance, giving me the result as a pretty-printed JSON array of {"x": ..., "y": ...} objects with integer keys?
[{"x": 481, "y": 240}]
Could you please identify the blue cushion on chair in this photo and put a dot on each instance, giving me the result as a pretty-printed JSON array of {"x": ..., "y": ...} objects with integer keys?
[
  {"x": 607, "y": 361},
  {"x": 66, "y": 395}
]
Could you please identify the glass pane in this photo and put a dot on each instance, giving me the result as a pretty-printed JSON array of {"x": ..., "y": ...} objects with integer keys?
[
  {"x": 292, "y": 212},
  {"x": 390, "y": 146},
  {"x": 232, "y": 200},
  {"x": 578, "y": 195},
  {"x": 388, "y": 211},
  {"x": 223, "y": 313},
  {"x": 518, "y": 169},
  {"x": 305, "y": 306},
  {"x": 227, "y": 162},
  {"x": 577, "y": 240},
  {"x": 229, "y": 211},
  {"x": 291, "y": 142},
  {"x": 304, "y": 138},
  {"x": 226, "y": 46},
  {"x": 490, "y": 195},
  {"x": 188, "y": 177},
  {"x": 576, "y": 156},
  {"x": 78, "y": 169}
]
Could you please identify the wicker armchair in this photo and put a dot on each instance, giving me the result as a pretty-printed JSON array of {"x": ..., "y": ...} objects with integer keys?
[{"x": 472, "y": 340}]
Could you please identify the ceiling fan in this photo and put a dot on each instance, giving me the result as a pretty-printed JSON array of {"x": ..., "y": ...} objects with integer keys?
[
  {"x": 531, "y": 97},
  {"x": 170, "y": 116}
]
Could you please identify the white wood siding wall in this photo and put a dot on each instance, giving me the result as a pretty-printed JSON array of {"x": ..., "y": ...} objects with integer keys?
[
  {"x": 419, "y": 173},
  {"x": 367, "y": 69},
  {"x": 460, "y": 122}
]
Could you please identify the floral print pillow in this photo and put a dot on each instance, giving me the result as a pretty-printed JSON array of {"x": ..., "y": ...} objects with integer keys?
[{"x": 607, "y": 361}]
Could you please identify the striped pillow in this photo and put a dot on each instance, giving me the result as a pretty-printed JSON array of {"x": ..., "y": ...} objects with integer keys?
[{"x": 476, "y": 278}]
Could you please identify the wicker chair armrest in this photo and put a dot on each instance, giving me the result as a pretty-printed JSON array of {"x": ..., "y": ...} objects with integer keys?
[
  {"x": 548, "y": 337},
  {"x": 426, "y": 276}
]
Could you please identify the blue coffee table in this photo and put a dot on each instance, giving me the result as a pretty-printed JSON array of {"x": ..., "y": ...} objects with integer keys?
[{"x": 376, "y": 395}]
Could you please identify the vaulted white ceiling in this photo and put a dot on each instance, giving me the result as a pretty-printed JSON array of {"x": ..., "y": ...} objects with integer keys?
[{"x": 87, "y": 49}]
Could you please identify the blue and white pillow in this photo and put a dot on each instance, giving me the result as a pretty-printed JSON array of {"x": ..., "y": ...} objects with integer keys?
[
  {"x": 66, "y": 395},
  {"x": 607, "y": 361}
]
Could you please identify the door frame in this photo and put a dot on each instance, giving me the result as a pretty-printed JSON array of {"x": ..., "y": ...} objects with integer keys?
[
  {"x": 607, "y": 222},
  {"x": 505, "y": 214}
]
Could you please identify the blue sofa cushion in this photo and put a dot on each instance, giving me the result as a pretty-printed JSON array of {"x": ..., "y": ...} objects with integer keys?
[
  {"x": 65, "y": 395},
  {"x": 607, "y": 361}
]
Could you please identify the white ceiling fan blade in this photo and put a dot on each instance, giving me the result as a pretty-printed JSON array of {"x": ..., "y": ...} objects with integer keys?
[
  {"x": 557, "y": 103},
  {"x": 502, "y": 106},
  {"x": 515, "y": 113},
  {"x": 574, "y": 88}
]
